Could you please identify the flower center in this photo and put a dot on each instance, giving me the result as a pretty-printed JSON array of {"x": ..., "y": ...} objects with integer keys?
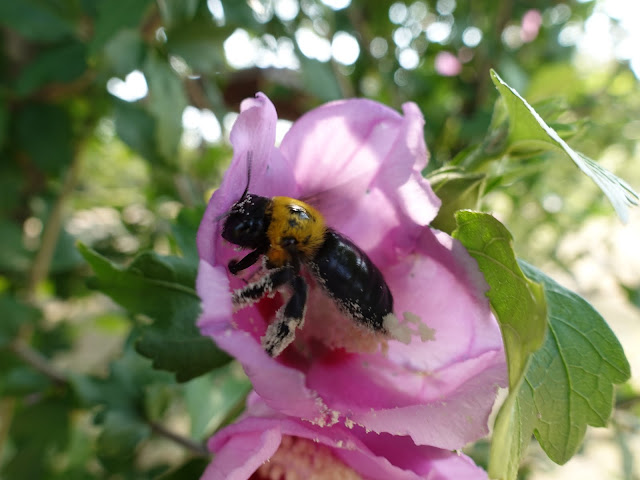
[{"x": 300, "y": 458}]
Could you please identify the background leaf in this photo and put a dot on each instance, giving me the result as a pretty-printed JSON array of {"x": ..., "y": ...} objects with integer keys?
[
  {"x": 162, "y": 289},
  {"x": 458, "y": 190},
  {"x": 528, "y": 130}
]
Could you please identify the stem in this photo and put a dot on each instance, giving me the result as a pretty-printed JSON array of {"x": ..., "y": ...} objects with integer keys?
[
  {"x": 42, "y": 262},
  {"x": 38, "y": 361},
  {"x": 195, "y": 447}
]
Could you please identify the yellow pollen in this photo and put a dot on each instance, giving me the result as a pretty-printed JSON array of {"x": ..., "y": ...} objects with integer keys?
[{"x": 302, "y": 459}]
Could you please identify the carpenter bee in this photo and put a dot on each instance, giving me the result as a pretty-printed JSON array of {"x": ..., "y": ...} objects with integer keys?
[{"x": 289, "y": 234}]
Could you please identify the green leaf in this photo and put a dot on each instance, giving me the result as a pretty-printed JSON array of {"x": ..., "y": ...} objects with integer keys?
[
  {"x": 185, "y": 229},
  {"x": 117, "y": 442},
  {"x": 124, "y": 52},
  {"x": 319, "y": 79},
  {"x": 198, "y": 43},
  {"x": 174, "y": 11},
  {"x": 518, "y": 302},
  {"x": 161, "y": 288},
  {"x": 125, "y": 388},
  {"x": 211, "y": 399},
  {"x": 458, "y": 190},
  {"x": 137, "y": 128},
  {"x": 115, "y": 15},
  {"x": 167, "y": 100},
  {"x": 14, "y": 257},
  {"x": 44, "y": 133},
  {"x": 39, "y": 429},
  {"x": 193, "y": 468},
  {"x": 528, "y": 131},
  {"x": 4, "y": 121},
  {"x": 15, "y": 314},
  {"x": 40, "y": 20},
  {"x": 61, "y": 64},
  {"x": 567, "y": 386}
]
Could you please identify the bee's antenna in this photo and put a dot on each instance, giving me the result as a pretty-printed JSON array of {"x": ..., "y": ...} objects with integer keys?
[{"x": 249, "y": 164}]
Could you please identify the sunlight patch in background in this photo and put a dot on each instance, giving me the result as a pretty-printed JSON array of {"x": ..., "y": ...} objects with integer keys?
[
  {"x": 609, "y": 34},
  {"x": 134, "y": 87}
]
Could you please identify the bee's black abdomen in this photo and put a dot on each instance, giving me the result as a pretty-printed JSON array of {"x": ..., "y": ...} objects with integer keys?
[{"x": 352, "y": 280}]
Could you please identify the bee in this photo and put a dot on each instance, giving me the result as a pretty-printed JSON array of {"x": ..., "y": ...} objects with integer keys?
[{"x": 289, "y": 235}]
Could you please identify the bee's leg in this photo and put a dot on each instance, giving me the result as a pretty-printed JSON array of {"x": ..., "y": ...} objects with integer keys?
[
  {"x": 282, "y": 332},
  {"x": 237, "y": 265},
  {"x": 267, "y": 284}
]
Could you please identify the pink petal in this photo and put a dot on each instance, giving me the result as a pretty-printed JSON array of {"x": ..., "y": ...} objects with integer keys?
[
  {"x": 368, "y": 167},
  {"x": 245, "y": 445},
  {"x": 253, "y": 135},
  {"x": 239, "y": 456}
]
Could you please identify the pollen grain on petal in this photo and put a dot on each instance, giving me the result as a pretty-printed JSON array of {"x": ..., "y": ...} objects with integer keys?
[{"x": 300, "y": 459}]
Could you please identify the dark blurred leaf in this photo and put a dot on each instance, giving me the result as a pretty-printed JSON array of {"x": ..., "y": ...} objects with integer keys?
[
  {"x": 167, "y": 100},
  {"x": 17, "y": 379},
  {"x": 11, "y": 187},
  {"x": 65, "y": 255},
  {"x": 320, "y": 79},
  {"x": 567, "y": 386},
  {"x": 14, "y": 315},
  {"x": 124, "y": 52},
  {"x": 136, "y": 127},
  {"x": 116, "y": 15},
  {"x": 239, "y": 13},
  {"x": 13, "y": 256},
  {"x": 60, "y": 64},
  {"x": 4, "y": 122},
  {"x": 40, "y": 20},
  {"x": 198, "y": 43},
  {"x": 181, "y": 352},
  {"x": 193, "y": 468},
  {"x": 527, "y": 130},
  {"x": 458, "y": 190},
  {"x": 177, "y": 11},
  {"x": 54, "y": 339},
  {"x": 633, "y": 294},
  {"x": 518, "y": 302},
  {"x": 44, "y": 133},
  {"x": 123, "y": 389},
  {"x": 38, "y": 430},
  {"x": 152, "y": 286},
  {"x": 185, "y": 229},
  {"x": 120, "y": 436}
]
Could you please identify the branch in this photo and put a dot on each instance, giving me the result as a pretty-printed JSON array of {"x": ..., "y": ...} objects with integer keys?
[
  {"x": 42, "y": 262},
  {"x": 191, "y": 445},
  {"x": 38, "y": 361}
]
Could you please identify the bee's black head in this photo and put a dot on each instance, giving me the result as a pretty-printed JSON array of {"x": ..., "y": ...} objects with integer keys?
[{"x": 247, "y": 222}]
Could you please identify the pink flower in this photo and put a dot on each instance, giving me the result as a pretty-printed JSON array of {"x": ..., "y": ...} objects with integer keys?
[
  {"x": 531, "y": 22},
  {"x": 269, "y": 445},
  {"x": 359, "y": 163},
  {"x": 447, "y": 64}
]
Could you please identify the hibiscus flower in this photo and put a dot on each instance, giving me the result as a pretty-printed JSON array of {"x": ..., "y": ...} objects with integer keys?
[
  {"x": 359, "y": 163},
  {"x": 265, "y": 444}
]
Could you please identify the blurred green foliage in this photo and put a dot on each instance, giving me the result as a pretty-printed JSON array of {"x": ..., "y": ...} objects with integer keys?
[{"x": 97, "y": 148}]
